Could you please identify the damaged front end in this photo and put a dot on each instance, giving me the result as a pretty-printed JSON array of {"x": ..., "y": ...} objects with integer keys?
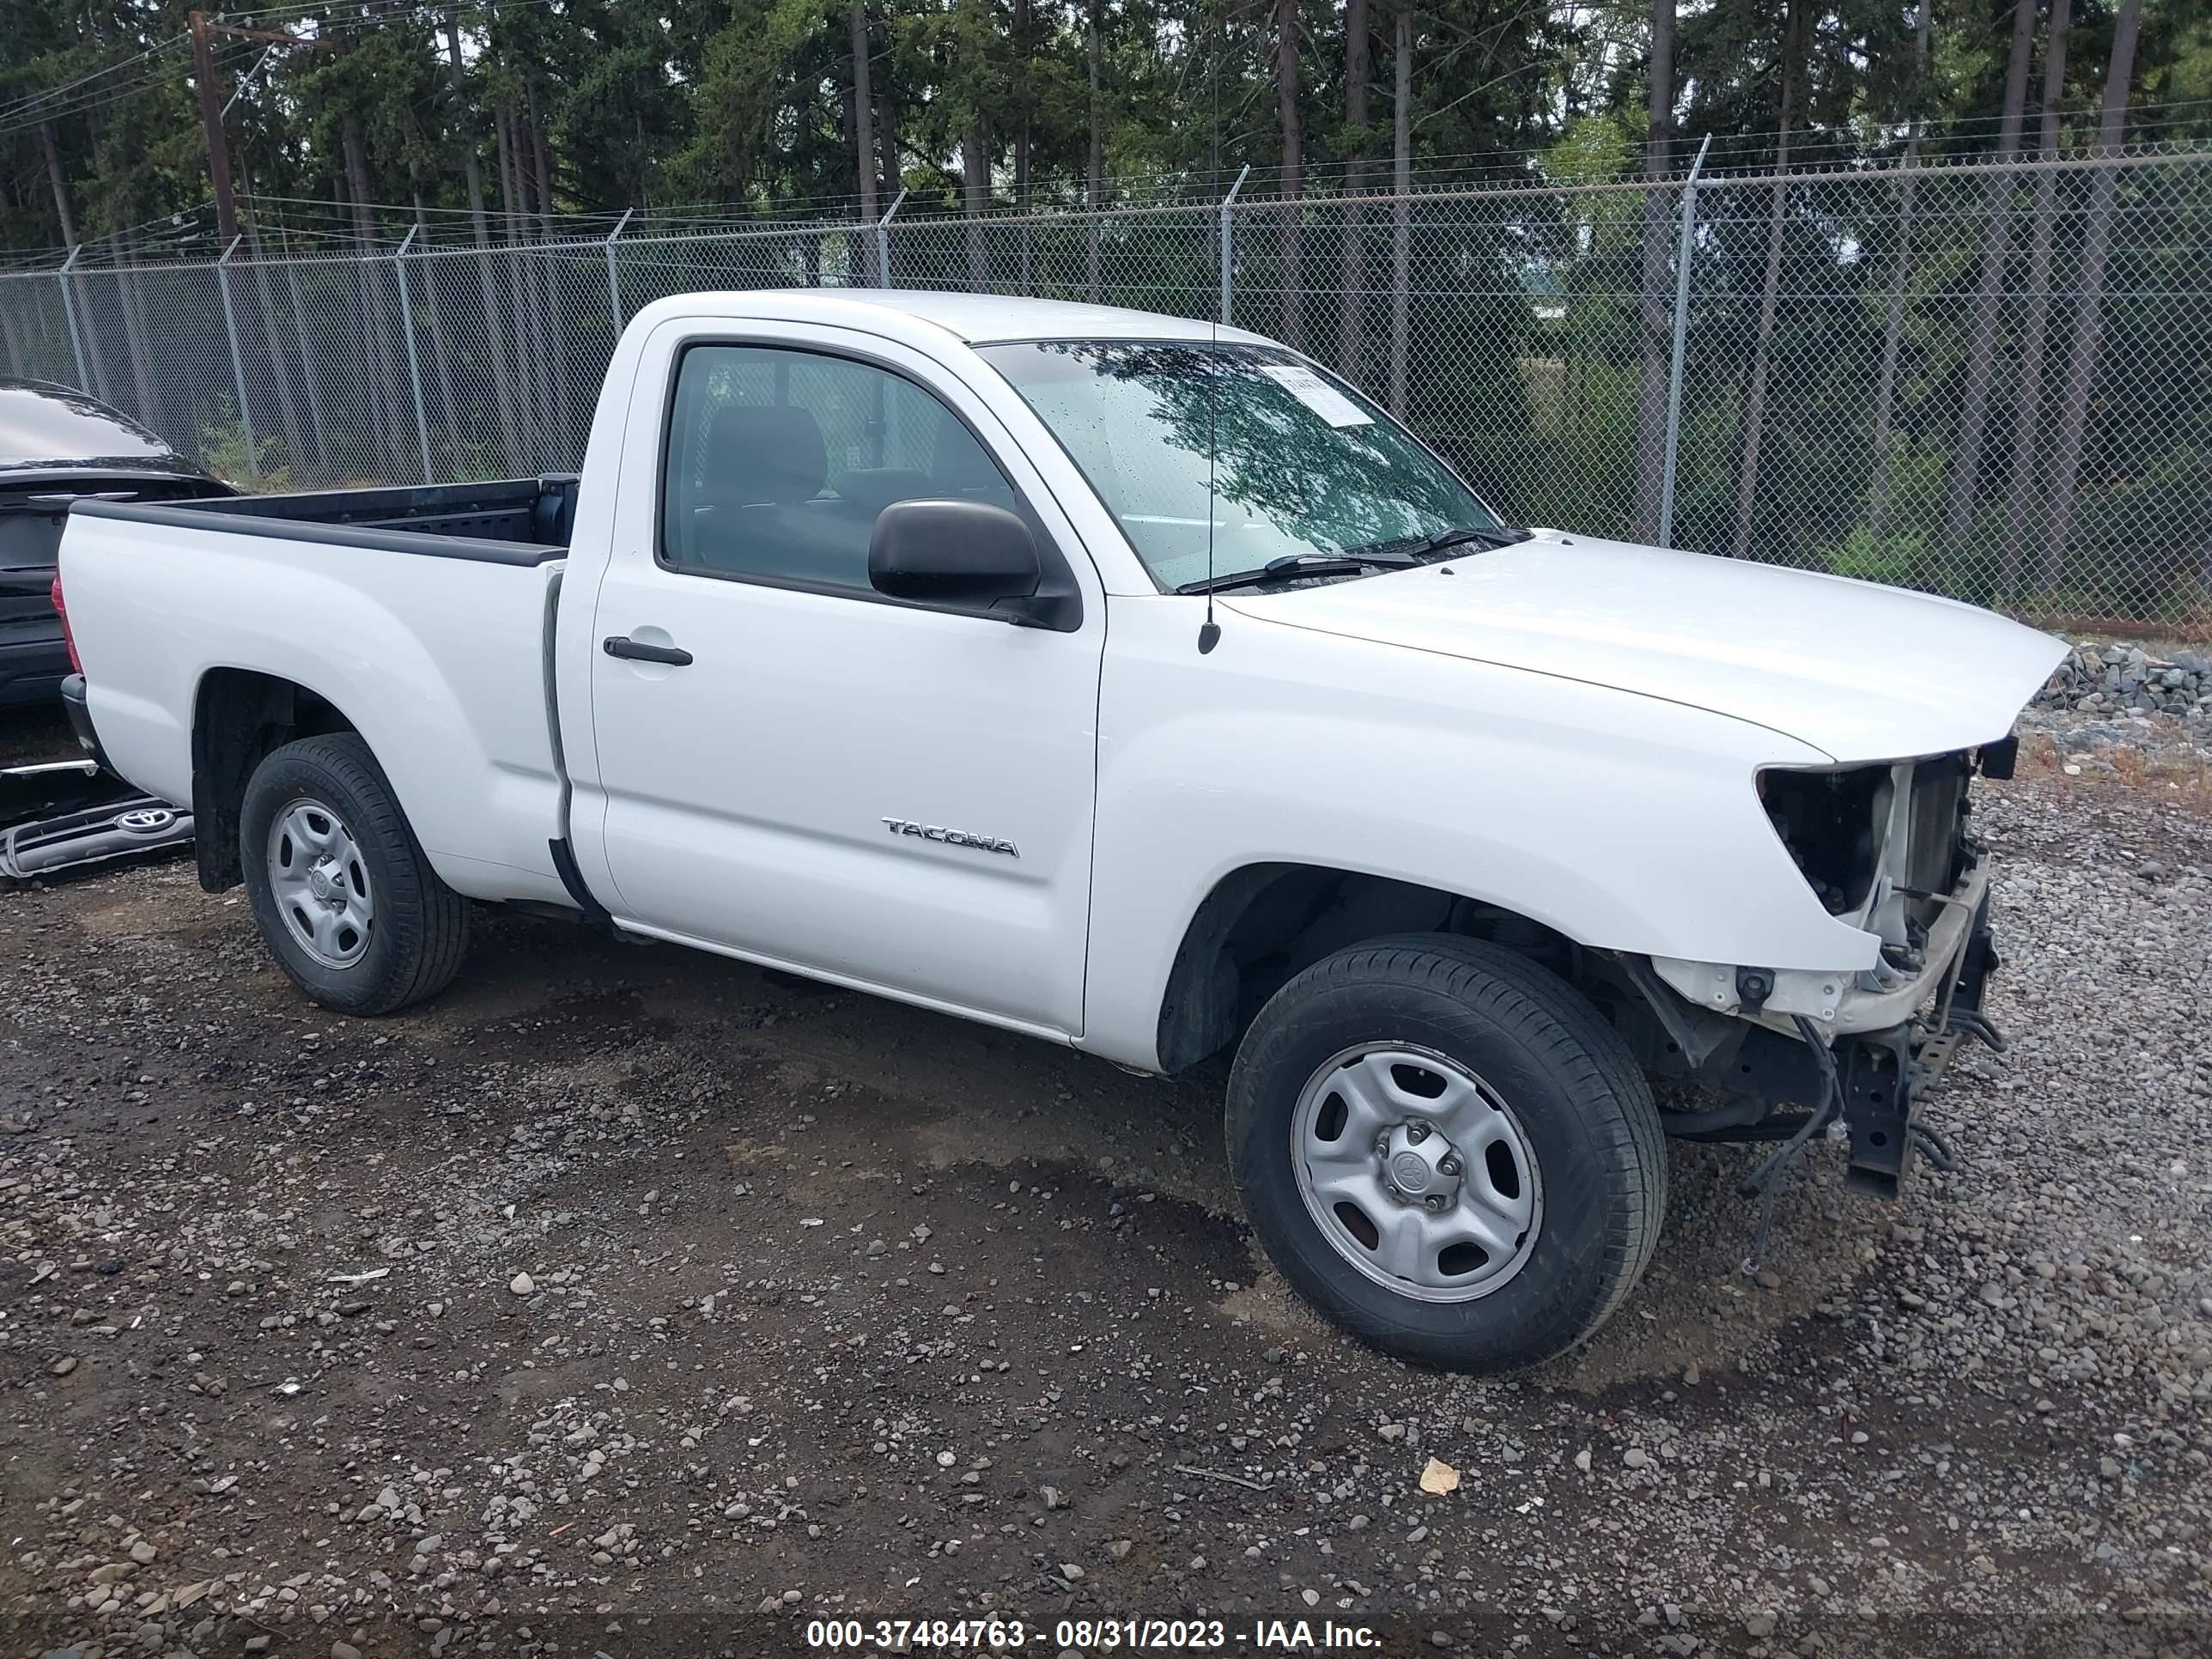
[{"x": 1888, "y": 850}]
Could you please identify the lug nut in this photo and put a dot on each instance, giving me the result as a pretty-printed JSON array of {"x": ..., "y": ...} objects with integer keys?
[
  {"x": 1417, "y": 1132},
  {"x": 1448, "y": 1165},
  {"x": 1434, "y": 1201}
]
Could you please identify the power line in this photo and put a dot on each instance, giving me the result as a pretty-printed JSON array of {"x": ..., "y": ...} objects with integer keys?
[{"x": 33, "y": 99}]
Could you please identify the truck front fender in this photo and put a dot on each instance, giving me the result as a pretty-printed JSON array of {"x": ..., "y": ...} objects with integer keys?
[{"x": 1617, "y": 821}]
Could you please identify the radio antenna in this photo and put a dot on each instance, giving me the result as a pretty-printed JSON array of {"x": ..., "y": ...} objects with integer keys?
[{"x": 1209, "y": 632}]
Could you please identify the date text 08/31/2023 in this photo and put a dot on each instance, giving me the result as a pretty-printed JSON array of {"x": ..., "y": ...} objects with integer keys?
[{"x": 1093, "y": 1635}]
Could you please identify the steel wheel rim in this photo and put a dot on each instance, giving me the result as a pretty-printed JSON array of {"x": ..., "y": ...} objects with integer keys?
[
  {"x": 319, "y": 880},
  {"x": 1417, "y": 1172}
]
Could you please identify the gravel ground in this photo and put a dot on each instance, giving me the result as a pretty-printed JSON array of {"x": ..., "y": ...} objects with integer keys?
[{"x": 628, "y": 1301}]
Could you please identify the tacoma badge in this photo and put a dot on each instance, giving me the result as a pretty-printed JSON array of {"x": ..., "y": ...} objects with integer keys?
[{"x": 952, "y": 837}]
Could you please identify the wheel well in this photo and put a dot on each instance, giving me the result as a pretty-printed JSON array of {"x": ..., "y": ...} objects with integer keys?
[
  {"x": 1264, "y": 923},
  {"x": 240, "y": 717}
]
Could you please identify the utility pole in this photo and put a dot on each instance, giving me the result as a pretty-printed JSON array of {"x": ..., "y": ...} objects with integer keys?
[{"x": 218, "y": 148}]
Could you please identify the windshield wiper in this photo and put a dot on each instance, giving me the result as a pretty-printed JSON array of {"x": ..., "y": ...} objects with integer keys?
[
  {"x": 1294, "y": 565},
  {"x": 1490, "y": 535}
]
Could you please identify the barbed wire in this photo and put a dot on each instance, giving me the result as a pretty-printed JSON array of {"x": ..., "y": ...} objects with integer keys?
[{"x": 333, "y": 226}]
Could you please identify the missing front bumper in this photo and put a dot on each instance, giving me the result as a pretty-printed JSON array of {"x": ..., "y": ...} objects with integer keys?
[
  {"x": 1772, "y": 1080},
  {"x": 1885, "y": 1073}
]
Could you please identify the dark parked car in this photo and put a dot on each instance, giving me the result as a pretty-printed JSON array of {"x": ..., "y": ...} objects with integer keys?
[{"x": 55, "y": 444}]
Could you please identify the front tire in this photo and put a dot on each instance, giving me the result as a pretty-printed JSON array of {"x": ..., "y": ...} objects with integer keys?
[
  {"x": 342, "y": 893},
  {"x": 1447, "y": 1150}
]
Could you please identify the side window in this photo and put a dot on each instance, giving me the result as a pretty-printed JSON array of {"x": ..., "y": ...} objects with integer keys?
[{"x": 779, "y": 461}]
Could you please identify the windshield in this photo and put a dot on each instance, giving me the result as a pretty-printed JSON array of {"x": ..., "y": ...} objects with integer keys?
[{"x": 1304, "y": 467}]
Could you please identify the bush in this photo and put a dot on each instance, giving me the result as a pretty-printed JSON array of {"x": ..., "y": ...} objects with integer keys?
[{"x": 1871, "y": 558}]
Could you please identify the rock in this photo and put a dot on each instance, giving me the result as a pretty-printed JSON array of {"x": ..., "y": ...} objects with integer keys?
[
  {"x": 1120, "y": 1548},
  {"x": 1760, "y": 1625},
  {"x": 143, "y": 1553},
  {"x": 64, "y": 1365},
  {"x": 344, "y": 1650},
  {"x": 431, "y": 1545},
  {"x": 1582, "y": 1460},
  {"x": 1637, "y": 1458},
  {"x": 1070, "y": 1571},
  {"x": 523, "y": 1285}
]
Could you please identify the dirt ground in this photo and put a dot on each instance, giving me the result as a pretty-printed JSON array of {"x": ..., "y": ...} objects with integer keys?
[{"x": 629, "y": 1300}]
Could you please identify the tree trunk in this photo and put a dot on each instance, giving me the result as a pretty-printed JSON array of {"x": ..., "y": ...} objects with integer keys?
[
  {"x": 448, "y": 409},
  {"x": 1287, "y": 110},
  {"x": 1996, "y": 248},
  {"x": 514, "y": 204},
  {"x": 1352, "y": 283},
  {"x": 138, "y": 336},
  {"x": 2027, "y": 396},
  {"x": 19, "y": 362},
  {"x": 388, "y": 445},
  {"x": 530, "y": 296},
  {"x": 975, "y": 197},
  {"x": 566, "y": 394},
  {"x": 1400, "y": 209},
  {"x": 1024, "y": 49},
  {"x": 59, "y": 182},
  {"x": 1762, "y": 349},
  {"x": 1401, "y": 203},
  {"x": 2089, "y": 328},
  {"x": 494, "y": 327},
  {"x": 288, "y": 408},
  {"x": 1893, "y": 327},
  {"x": 864, "y": 143},
  {"x": 1653, "y": 304},
  {"x": 1094, "y": 161},
  {"x": 320, "y": 428}
]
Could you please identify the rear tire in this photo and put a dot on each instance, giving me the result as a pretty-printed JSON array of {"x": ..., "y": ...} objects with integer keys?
[
  {"x": 342, "y": 893},
  {"x": 1447, "y": 1150}
]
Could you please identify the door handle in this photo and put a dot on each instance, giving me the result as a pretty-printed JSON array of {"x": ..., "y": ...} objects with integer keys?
[{"x": 621, "y": 645}]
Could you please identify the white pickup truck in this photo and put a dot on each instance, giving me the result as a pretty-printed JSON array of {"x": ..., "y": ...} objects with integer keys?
[{"x": 1138, "y": 685}]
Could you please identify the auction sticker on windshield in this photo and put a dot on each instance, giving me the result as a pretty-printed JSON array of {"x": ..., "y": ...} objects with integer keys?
[{"x": 1317, "y": 394}]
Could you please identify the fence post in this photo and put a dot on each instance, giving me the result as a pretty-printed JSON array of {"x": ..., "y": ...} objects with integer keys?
[
  {"x": 883, "y": 239},
  {"x": 1682, "y": 331},
  {"x": 613, "y": 282},
  {"x": 1228, "y": 246},
  {"x": 414, "y": 358},
  {"x": 237, "y": 360},
  {"x": 68, "y": 310}
]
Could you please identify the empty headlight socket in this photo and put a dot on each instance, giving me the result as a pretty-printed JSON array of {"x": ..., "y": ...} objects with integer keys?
[{"x": 1753, "y": 987}]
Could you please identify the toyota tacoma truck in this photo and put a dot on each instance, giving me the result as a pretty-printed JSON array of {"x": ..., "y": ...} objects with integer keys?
[{"x": 1138, "y": 685}]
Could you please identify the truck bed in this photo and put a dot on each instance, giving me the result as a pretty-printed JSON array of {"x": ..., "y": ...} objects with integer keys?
[
  {"x": 419, "y": 617},
  {"x": 523, "y": 521}
]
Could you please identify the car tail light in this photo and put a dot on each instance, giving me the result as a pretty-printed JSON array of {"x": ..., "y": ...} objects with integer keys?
[{"x": 69, "y": 640}]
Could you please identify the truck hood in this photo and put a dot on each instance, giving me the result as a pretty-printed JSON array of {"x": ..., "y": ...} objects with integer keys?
[{"x": 1862, "y": 671}]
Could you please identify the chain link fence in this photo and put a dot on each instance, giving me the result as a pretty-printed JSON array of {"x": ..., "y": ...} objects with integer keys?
[{"x": 1993, "y": 381}]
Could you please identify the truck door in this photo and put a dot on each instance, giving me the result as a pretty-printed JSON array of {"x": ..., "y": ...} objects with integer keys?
[{"x": 884, "y": 793}]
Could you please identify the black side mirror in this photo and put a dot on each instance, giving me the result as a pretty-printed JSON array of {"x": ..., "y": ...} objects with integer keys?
[{"x": 965, "y": 553}]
